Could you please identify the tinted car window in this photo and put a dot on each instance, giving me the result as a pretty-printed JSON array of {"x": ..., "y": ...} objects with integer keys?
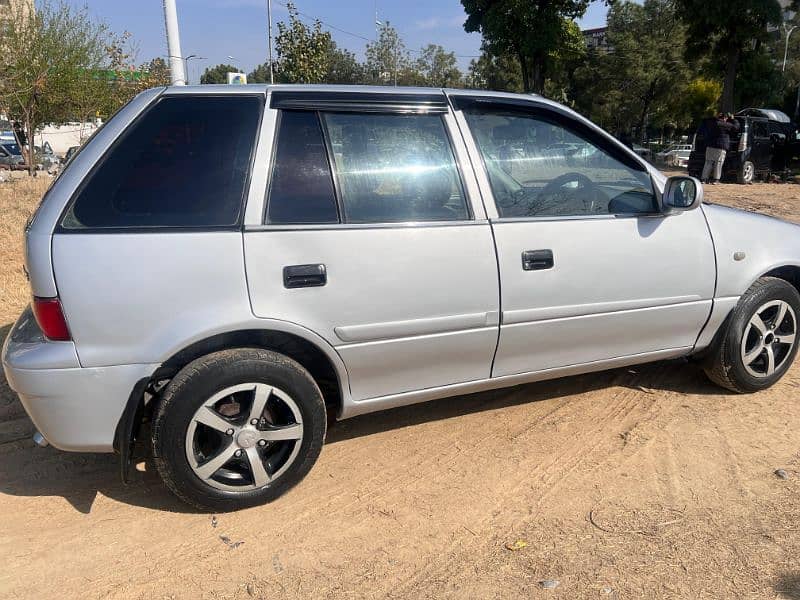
[
  {"x": 301, "y": 190},
  {"x": 184, "y": 163},
  {"x": 395, "y": 168},
  {"x": 538, "y": 167},
  {"x": 760, "y": 129}
]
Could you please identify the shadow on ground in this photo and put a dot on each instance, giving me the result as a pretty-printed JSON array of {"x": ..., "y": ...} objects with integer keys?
[
  {"x": 787, "y": 585},
  {"x": 26, "y": 470}
]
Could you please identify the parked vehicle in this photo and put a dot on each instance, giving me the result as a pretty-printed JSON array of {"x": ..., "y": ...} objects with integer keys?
[
  {"x": 11, "y": 156},
  {"x": 675, "y": 155},
  {"x": 45, "y": 158},
  {"x": 235, "y": 262},
  {"x": 758, "y": 149}
]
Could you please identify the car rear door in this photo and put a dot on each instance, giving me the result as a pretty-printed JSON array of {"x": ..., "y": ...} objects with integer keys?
[
  {"x": 761, "y": 152},
  {"x": 591, "y": 271},
  {"x": 372, "y": 235}
]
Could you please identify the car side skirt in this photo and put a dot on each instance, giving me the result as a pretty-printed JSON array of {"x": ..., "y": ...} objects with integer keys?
[{"x": 355, "y": 408}]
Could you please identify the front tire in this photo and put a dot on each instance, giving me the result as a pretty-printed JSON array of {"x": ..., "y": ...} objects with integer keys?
[
  {"x": 760, "y": 342},
  {"x": 237, "y": 428}
]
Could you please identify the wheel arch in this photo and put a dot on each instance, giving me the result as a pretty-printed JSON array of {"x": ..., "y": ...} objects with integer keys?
[
  {"x": 314, "y": 354},
  {"x": 789, "y": 273},
  {"x": 318, "y": 357}
]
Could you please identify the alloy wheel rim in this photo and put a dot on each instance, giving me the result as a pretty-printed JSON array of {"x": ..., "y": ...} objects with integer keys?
[
  {"x": 748, "y": 171},
  {"x": 244, "y": 437},
  {"x": 769, "y": 338}
]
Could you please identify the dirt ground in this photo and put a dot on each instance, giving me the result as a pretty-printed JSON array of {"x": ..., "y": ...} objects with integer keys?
[{"x": 646, "y": 482}]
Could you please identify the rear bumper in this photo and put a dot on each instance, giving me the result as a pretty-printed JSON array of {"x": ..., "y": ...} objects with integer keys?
[{"x": 75, "y": 408}]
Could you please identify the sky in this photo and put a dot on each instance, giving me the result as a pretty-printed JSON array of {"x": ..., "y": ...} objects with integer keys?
[{"x": 218, "y": 29}]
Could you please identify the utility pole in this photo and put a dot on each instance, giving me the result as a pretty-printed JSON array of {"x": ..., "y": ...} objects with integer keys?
[
  {"x": 176, "y": 66},
  {"x": 269, "y": 17}
]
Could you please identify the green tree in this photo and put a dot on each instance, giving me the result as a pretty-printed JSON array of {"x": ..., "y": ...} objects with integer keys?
[
  {"x": 260, "y": 74},
  {"x": 700, "y": 99},
  {"x": 643, "y": 78},
  {"x": 530, "y": 30},
  {"x": 492, "y": 72},
  {"x": 342, "y": 67},
  {"x": 217, "y": 74},
  {"x": 156, "y": 72},
  {"x": 303, "y": 52},
  {"x": 438, "y": 68},
  {"x": 725, "y": 29},
  {"x": 563, "y": 61},
  {"x": 387, "y": 58},
  {"x": 46, "y": 54}
]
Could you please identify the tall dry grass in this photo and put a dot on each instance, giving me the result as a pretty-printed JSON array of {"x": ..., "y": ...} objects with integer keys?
[{"x": 18, "y": 199}]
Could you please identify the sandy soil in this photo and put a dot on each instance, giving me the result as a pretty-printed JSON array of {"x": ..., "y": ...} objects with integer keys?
[{"x": 636, "y": 483}]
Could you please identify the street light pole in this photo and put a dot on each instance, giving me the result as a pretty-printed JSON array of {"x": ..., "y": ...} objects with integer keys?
[
  {"x": 186, "y": 64},
  {"x": 786, "y": 46},
  {"x": 269, "y": 17},
  {"x": 176, "y": 70}
]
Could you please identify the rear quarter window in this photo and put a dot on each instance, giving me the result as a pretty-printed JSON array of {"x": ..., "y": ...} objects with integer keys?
[{"x": 184, "y": 163}]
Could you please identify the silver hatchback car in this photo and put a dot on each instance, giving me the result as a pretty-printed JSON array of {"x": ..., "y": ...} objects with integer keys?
[{"x": 234, "y": 264}]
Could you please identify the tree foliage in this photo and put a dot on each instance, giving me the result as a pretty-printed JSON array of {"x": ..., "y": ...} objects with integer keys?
[
  {"x": 343, "y": 67},
  {"x": 48, "y": 55},
  {"x": 495, "y": 72},
  {"x": 303, "y": 52},
  {"x": 725, "y": 29},
  {"x": 701, "y": 99},
  {"x": 438, "y": 68},
  {"x": 530, "y": 30},
  {"x": 643, "y": 77},
  {"x": 217, "y": 74},
  {"x": 387, "y": 59}
]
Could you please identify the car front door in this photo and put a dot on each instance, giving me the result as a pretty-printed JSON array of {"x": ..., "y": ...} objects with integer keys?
[
  {"x": 373, "y": 236},
  {"x": 590, "y": 269}
]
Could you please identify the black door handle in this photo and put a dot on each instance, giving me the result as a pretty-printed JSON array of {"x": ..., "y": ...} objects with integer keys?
[
  {"x": 537, "y": 260},
  {"x": 297, "y": 276}
]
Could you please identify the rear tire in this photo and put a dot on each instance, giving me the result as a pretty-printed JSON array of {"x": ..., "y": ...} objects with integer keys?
[
  {"x": 760, "y": 344},
  {"x": 747, "y": 173},
  {"x": 237, "y": 428}
]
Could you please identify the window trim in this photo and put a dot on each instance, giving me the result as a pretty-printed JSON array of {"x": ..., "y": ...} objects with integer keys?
[
  {"x": 562, "y": 119},
  {"x": 60, "y": 229},
  {"x": 320, "y": 112},
  {"x": 390, "y": 102}
]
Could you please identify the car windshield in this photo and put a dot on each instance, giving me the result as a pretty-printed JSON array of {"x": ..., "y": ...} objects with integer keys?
[{"x": 12, "y": 148}]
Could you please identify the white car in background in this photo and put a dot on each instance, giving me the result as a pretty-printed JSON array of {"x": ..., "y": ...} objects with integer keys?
[{"x": 676, "y": 155}]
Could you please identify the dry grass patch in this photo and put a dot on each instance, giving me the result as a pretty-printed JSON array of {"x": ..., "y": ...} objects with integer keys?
[{"x": 18, "y": 199}]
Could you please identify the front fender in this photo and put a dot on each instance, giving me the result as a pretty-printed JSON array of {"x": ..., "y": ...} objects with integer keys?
[{"x": 747, "y": 245}]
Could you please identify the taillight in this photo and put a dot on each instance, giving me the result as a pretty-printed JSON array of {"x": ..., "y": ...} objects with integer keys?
[
  {"x": 743, "y": 141},
  {"x": 50, "y": 317}
]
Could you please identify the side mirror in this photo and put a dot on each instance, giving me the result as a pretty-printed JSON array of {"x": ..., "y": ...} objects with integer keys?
[{"x": 681, "y": 194}]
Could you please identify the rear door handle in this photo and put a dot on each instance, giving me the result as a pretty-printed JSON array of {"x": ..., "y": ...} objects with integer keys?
[
  {"x": 297, "y": 276},
  {"x": 537, "y": 260}
]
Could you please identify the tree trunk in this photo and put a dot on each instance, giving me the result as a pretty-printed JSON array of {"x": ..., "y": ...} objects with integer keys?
[
  {"x": 726, "y": 101},
  {"x": 28, "y": 154},
  {"x": 648, "y": 100},
  {"x": 538, "y": 75},
  {"x": 526, "y": 73}
]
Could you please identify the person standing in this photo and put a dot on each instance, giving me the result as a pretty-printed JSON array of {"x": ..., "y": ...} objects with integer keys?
[{"x": 718, "y": 142}]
